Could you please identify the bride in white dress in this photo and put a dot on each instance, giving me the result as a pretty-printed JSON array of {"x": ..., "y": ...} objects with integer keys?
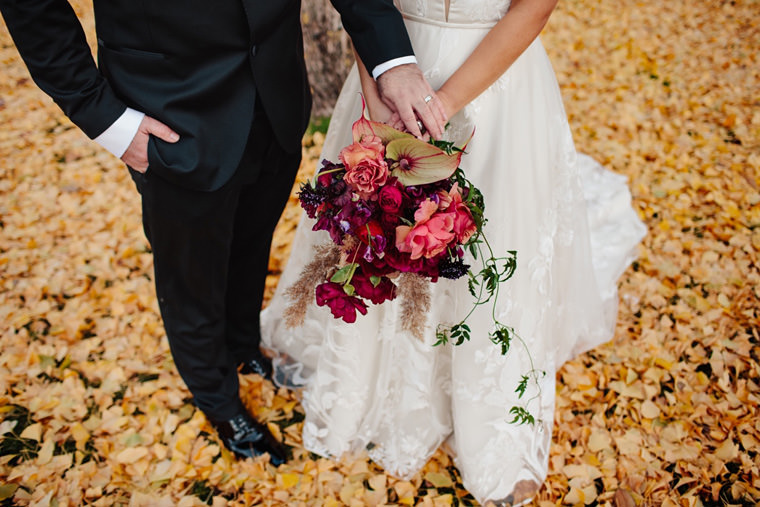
[{"x": 371, "y": 385}]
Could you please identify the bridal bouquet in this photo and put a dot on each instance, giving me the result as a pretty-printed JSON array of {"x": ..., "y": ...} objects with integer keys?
[{"x": 400, "y": 214}]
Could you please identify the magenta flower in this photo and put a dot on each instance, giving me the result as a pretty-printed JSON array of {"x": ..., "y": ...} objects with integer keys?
[
  {"x": 384, "y": 291},
  {"x": 341, "y": 304},
  {"x": 390, "y": 199}
]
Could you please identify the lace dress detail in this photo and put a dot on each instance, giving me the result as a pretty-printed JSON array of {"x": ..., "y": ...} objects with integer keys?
[{"x": 370, "y": 385}]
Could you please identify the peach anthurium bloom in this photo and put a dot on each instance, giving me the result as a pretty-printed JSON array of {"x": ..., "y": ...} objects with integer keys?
[
  {"x": 431, "y": 233},
  {"x": 416, "y": 162},
  {"x": 419, "y": 163},
  {"x": 364, "y": 128}
]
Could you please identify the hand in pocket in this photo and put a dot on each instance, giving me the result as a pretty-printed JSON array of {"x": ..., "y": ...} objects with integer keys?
[{"x": 136, "y": 155}]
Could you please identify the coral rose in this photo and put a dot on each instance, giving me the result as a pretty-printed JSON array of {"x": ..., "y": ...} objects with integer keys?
[
  {"x": 366, "y": 168},
  {"x": 430, "y": 235}
]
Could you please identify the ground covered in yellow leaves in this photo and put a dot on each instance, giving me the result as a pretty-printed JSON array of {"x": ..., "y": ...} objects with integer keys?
[{"x": 668, "y": 93}]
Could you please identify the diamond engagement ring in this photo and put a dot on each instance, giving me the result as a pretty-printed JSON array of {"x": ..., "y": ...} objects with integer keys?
[{"x": 428, "y": 99}]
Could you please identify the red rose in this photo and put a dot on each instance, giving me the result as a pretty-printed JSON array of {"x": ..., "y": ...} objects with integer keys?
[
  {"x": 390, "y": 199},
  {"x": 370, "y": 232},
  {"x": 341, "y": 304}
]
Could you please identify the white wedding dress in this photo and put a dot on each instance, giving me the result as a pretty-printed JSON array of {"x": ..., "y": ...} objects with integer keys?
[{"x": 370, "y": 384}]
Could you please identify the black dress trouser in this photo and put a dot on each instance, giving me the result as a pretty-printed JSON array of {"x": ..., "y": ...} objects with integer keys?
[{"x": 210, "y": 256}]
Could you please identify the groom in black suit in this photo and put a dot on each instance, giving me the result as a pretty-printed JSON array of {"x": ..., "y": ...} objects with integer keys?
[{"x": 206, "y": 102}]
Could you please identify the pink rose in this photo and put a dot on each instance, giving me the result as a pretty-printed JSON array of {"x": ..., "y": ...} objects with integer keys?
[
  {"x": 341, "y": 304},
  {"x": 390, "y": 199},
  {"x": 366, "y": 168},
  {"x": 431, "y": 233}
]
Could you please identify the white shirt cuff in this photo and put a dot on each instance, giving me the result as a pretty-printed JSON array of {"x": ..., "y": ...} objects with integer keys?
[
  {"x": 117, "y": 137},
  {"x": 392, "y": 63}
]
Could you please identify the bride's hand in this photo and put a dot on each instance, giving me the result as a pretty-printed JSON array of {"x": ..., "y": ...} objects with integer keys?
[{"x": 378, "y": 111}]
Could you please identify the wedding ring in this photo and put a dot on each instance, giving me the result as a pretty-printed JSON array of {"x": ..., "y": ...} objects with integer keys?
[
  {"x": 421, "y": 126},
  {"x": 428, "y": 99}
]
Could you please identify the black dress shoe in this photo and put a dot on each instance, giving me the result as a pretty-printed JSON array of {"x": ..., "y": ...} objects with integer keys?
[
  {"x": 259, "y": 364},
  {"x": 248, "y": 438}
]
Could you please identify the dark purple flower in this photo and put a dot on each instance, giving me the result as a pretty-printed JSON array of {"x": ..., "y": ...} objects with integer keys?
[
  {"x": 340, "y": 194},
  {"x": 311, "y": 198},
  {"x": 452, "y": 268},
  {"x": 327, "y": 222},
  {"x": 355, "y": 216}
]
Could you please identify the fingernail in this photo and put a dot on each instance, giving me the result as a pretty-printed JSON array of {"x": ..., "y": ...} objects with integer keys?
[{"x": 174, "y": 137}]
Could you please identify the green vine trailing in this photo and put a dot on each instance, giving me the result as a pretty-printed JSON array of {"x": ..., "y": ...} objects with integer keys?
[{"x": 484, "y": 285}]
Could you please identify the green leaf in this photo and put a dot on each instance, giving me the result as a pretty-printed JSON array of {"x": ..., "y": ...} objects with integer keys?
[
  {"x": 502, "y": 336},
  {"x": 473, "y": 284},
  {"x": 521, "y": 416},
  {"x": 441, "y": 335},
  {"x": 344, "y": 274},
  {"x": 460, "y": 333},
  {"x": 375, "y": 280},
  {"x": 522, "y": 386},
  {"x": 510, "y": 265},
  {"x": 349, "y": 289}
]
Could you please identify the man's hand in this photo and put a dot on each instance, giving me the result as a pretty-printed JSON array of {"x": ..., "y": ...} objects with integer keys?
[
  {"x": 406, "y": 92},
  {"x": 136, "y": 155}
]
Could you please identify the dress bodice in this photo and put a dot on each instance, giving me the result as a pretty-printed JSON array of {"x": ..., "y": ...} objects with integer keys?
[{"x": 455, "y": 11}]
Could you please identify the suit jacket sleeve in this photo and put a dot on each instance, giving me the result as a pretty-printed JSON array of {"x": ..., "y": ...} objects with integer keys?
[
  {"x": 51, "y": 42},
  {"x": 376, "y": 29}
]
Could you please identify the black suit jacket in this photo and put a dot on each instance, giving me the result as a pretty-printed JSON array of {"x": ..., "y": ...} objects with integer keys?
[{"x": 196, "y": 65}]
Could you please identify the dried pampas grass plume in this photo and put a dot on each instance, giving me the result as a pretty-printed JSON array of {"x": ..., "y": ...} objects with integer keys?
[
  {"x": 414, "y": 291},
  {"x": 301, "y": 293}
]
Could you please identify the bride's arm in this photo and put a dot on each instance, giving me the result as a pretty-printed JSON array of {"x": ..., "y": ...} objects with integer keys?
[{"x": 503, "y": 44}]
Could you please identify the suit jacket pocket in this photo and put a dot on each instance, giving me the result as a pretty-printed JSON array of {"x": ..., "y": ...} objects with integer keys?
[
  {"x": 137, "y": 53},
  {"x": 135, "y": 75}
]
